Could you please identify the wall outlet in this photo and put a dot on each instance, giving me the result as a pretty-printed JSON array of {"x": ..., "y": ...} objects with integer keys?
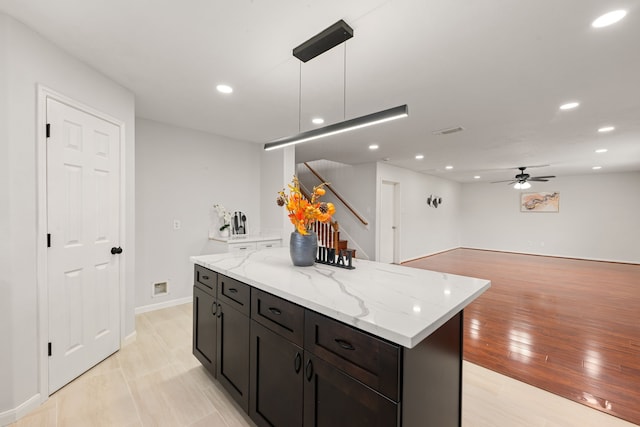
[{"x": 176, "y": 224}]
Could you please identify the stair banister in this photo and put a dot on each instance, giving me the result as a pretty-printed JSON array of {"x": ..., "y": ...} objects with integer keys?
[{"x": 344, "y": 202}]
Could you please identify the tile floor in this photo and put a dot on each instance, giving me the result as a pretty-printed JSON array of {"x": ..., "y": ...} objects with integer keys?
[{"x": 155, "y": 381}]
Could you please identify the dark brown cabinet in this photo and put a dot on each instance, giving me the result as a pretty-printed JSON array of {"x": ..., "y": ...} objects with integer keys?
[
  {"x": 335, "y": 399},
  {"x": 233, "y": 339},
  {"x": 276, "y": 379},
  {"x": 289, "y": 366},
  {"x": 205, "y": 308},
  {"x": 276, "y": 361}
]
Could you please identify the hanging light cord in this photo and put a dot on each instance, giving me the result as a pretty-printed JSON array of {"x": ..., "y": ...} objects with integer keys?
[
  {"x": 300, "y": 99},
  {"x": 344, "y": 87}
]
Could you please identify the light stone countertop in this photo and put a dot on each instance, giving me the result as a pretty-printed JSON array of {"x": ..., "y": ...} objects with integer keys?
[{"x": 401, "y": 304}]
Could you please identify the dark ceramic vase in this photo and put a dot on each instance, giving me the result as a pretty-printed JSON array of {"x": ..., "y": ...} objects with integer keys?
[{"x": 303, "y": 248}]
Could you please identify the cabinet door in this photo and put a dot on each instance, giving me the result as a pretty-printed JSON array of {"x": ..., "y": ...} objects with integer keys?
[
  {"x": 233, "y": 353},
  {"x": 204, "y": 329},
  {"x": 276, "y": 379},
  {"x": 334, "y": 399}
]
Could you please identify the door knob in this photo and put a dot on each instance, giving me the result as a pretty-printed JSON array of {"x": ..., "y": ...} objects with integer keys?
[{"x": 115, "y": 250}]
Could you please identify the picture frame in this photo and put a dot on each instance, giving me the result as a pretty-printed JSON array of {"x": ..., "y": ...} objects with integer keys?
[{"x": 540, "y": 202}]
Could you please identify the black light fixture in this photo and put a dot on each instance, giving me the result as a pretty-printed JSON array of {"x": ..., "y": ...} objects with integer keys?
[
  {"x": 340, "y": 127},
  {"x": 327, "y": 39}
]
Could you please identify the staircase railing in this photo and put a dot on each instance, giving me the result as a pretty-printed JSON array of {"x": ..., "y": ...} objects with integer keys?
[
  {"x": 338, "y": 196},
  {"x": 328, "y": 233}
]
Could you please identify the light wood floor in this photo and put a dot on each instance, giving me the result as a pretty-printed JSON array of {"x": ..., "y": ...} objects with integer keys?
[{"x": 155, "y": 381}]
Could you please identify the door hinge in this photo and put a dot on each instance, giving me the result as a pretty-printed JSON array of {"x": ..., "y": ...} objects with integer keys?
[
  {"x": 49, "y": 349},
  {"x": 48, "y": 130},
  {"x": 48, "y": 240}
]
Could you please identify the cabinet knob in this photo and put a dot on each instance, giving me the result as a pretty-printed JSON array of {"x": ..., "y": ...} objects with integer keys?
[
  {"x": 297, "y": 364},
  {"x": 115, "y": 251},
  {"x": 275, "y": 311},
  {"x": 214, "y": 308},
  {"x": 205, "y": 277},
  {"x": 344, "y": 344},
  {"x": 308, "y": 370},
  {"x": 233, "y": 290}
]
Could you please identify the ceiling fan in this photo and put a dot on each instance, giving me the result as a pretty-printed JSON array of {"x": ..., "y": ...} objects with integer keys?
[{"x": 521, "y": 180}]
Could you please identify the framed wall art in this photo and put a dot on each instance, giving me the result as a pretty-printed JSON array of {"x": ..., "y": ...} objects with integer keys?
[{"x": 540, "y": 202}]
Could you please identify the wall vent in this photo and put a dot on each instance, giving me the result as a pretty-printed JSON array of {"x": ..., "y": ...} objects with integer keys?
[
  {"x": 448, "y": 131},
  {"x": 160, "y": 288}
]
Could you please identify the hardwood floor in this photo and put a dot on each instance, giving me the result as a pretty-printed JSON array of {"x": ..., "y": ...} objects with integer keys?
[{"x": 571, "y": 327}]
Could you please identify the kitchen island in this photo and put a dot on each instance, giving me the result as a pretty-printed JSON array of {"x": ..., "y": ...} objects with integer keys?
[{"x": 380, "y": 345}]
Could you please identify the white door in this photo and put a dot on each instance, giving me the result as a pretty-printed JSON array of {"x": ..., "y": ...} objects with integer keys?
[
  {"x": 83, "y": 197},
  {"x": 388, "y": 226}
]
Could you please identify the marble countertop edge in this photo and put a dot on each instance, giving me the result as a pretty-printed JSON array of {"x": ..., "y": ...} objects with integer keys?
[{"x": 338, "y": 293}]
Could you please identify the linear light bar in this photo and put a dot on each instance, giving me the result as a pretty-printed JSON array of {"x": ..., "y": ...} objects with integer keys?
[{"x": 345, "y": 126}]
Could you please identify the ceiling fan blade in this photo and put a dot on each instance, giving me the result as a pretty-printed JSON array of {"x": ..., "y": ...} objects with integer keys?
[
  {"x": 532, "y": 166},
  {"x": 540, "y": 179},
  {"x": 545, "y": 177},
  {"x": 505, "y": 180}
]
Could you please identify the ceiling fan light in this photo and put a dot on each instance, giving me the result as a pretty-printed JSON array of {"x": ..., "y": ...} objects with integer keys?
[{"x": 522, "y": 185}]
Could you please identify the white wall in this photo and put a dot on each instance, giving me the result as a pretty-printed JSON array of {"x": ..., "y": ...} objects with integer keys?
[
  {"x": 598, "y": 218},
  {"x": 7, "y": 325},
  {"x": 27, "y": 59},
  {"x": 424, "y": 230},
  {"x": 277, "y": 169},
  {"x": 356, "y": 185},
  {"x": 180, "y": 175}
]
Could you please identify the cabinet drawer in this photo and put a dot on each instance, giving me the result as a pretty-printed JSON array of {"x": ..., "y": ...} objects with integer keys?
[
  {"x": 234, "y": 293},
  {"x": 281, "y": 316},
  {"x": 205, "y": 278},
  {"x": 241, "y": 246},
  {"x": 269, "y": 244},
  {"x": 371, "y": 360}
]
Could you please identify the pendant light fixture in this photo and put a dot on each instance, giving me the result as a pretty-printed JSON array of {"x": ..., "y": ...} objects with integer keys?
[{"x": 329, "y": 38}]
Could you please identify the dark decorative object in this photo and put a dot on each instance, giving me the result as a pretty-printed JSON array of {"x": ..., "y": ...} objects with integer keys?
[
  {"x": 303, "y": 248},
  {"x": 434, "y": 201},
  {"x": 323, "y": 41},
  {"x": 328, "y": 256}
]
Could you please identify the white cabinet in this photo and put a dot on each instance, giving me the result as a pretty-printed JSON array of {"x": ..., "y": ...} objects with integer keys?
[
  {"x": 240, "y": 246},
  {"x": 223, "y": 244},
  {"x": 276, "y": 243}
]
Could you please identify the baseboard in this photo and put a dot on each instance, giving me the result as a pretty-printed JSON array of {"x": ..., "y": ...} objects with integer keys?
[
  {"x": 520, "y": 253},
  {"x": 129, "y": 339},
  {"x": 613, "y": 261},
  {"x": 430, "y": 254},
  {"x": 161, "y": 305},
  {"x": 13, "y": 415}
]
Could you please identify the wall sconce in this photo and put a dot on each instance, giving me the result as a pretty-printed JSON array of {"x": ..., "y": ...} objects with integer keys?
[{"x": 434, "y": 201}]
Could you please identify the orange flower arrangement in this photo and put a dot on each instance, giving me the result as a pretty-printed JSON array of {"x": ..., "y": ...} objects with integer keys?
[{"x": 303, "y": 212}]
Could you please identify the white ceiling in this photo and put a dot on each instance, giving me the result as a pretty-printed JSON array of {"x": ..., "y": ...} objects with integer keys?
[{"x": 498, "y": 68}]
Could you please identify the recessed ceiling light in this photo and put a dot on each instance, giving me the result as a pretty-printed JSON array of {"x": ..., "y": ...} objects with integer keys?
[
  {"x": 373, "y": 147},
  {"x": 609, "y": 18},
  {"x": 601, "y": 150},
  {"x": 448, "y": 167},
  {"x": 569, "y": 105},
  {"x": 606, "y": 129},
  {"x": 595, "y": 168},
  {"x": 224, "y": 88},
  {"x": 476, "y": 177},
  {"x": 419, "y": 156},
  {"x": 317, "y": 120}
]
